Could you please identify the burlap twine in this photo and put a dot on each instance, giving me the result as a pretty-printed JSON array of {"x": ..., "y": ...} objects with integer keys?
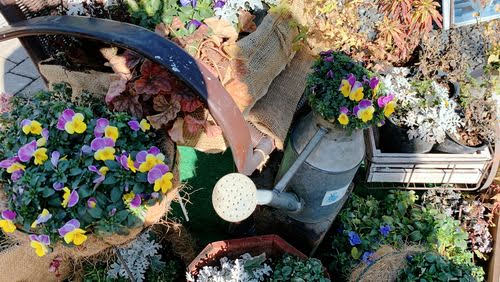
[{"x": 387, "y": 263}]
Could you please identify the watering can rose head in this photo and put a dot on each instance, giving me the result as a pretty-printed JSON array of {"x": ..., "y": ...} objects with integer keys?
[
  {"x": 75, "y": 172},
  {"x": 343, "y": 92}
]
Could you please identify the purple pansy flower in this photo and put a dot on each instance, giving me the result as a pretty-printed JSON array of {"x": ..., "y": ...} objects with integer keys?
[
  {"x": 86, "y": 149},
  {"x": 384, "y": 230},
  {"x": 219, "y": 4},
  {"x": 195, "y": 23},
  {"x": 373, "y": 83},
  {"x": 66, "y": 116},
  {"x": 16, "y": 175},
  {"x": 100, "y": 143},
  {"x": 344, "y": 110},
  {"x": 157, "y": 172},
  {"x": 326, "y": 53},
  {"x": 123, "y": 160},
  {"x": 384, "y": 100},
  {"x": 9, "y": 215},
  {"x": 73, "y": 199},
  {"x": 134, "y": 125},
  {"x": 100, "y": 126},
  {"x": 26, "y": 152},
  {"x": 91, "y": 202},
  {"x": 329, "y": 74},
  {"x": 328, "y": 59},
  {"x": 68, "y": 227},
  {"x": 354, "y": 238},
  {"x": 112, "y": 212},
  {"x": 367, "y": 257},
  {"x": 101, "y": 177},
  {"x": 58, "y": 186},
  {"x": 136, "y": 201},
  {"x": 184, "y": 3},
  {"x": 363, "y": 104},
  {"x": 54, "y": 158},
  {"x": 155, "y": 195},
  {"x": 381, "y": 123},
  {"x": 8, "y": 162},
  {"x": 44, "y": 239}
]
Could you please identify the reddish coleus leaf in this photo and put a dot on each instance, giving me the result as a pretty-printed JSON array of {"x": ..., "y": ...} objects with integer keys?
[
  {"x": 168, "y": 111},
  {"x": 128, "y": 103},
  {"x": 116, "y": 88},
  {"x": 176, "y": 133},
  {"x": 192, "y": 124},
  {"x": 132, "y": 59},
  {"x": 153, "y": 80},
  {"x": 189, "y": 103}
]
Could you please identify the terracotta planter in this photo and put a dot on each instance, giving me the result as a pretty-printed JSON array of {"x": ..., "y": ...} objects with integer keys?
[{"x": 272, "y": 245}]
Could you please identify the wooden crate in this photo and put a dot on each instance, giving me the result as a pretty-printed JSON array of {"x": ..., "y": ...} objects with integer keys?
[{"x": 437, "y": 168}]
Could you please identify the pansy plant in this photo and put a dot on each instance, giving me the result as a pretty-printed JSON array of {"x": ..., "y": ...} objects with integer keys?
[
  {"x": 345, "y": 93},
  {"x": 70, "y": 171}
]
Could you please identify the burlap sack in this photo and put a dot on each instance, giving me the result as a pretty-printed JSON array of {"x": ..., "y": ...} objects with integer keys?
[
  {"x": 387, "y": 262},
  {"x": 92, "y": 81},
  {"x": 265, "y": 52},
  {"x": 284, "y": 94}
]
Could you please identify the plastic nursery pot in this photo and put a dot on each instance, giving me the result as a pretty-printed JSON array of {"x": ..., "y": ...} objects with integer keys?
[
  {"x": 453, "y": 146},
  {"x": 272, "y": 245},
  {"x": 394, "y": 139}
]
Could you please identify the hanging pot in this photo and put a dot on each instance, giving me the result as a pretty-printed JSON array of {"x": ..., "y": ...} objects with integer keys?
[{"x": 394, "y": 139}]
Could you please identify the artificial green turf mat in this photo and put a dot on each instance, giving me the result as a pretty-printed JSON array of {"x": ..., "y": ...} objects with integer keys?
[{"x": 201, "y": 171}]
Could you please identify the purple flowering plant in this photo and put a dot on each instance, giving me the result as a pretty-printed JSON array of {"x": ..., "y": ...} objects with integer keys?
[
  {"x": 191, "y": 13},
  {"x": 79, "y": 173},
  {"x": 345, "y": 93}
]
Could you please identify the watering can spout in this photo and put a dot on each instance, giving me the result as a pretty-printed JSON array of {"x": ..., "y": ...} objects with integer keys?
[{"x": 235, "y": 198}]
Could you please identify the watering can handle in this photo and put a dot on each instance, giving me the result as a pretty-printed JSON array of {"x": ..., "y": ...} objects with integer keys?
[
  {"x": 161, "y": 51},
  {"x": 311, "y": 145}
]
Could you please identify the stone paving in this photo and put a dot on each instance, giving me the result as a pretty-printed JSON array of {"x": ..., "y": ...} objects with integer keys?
[{"x": 18, "y": 73}]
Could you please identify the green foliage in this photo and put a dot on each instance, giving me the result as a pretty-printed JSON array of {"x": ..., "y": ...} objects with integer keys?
[
  {"x": 323, "y": 91},
  {"x": 408, "y": 222},
  {"x": 150, "y": 13},
  {"x": 431, "y": 266},
  {"x": 34, "y": 191},
  {"x": 294, "y": 269}
]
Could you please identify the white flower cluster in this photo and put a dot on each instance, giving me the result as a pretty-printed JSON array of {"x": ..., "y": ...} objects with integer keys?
[
  {"x": 428, "y": 116},
  {"x": 244, "y": 269},
  {"x": 231, "y": 8}
]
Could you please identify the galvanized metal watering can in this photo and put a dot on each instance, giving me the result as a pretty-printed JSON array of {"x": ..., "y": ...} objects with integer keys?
[{"x": 318, "y": 166}]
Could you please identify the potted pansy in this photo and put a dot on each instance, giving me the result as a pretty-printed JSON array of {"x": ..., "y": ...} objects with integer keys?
[
  {"x": 71, "y": 170},
  {"x": 343, "y": 92}
]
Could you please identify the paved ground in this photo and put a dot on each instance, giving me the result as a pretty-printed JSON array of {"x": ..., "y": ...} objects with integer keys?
[{"x": 18, "y": 73}]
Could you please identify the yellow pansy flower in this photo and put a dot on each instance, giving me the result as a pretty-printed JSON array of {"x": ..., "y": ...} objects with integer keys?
[
  {"x": 7, "y": 226},
  {"x": 144, "y": 125},
  {"x": 103, "y": 170},
  {"x": 77, "y": 237},
  {"x": 31, "y": 126},
  {"x": 343, "y": 119},
  {"x": 151, "y": 161},
  {"x": 105, "y": 154},
  {"x": 15, "y": 167},
  {"x": 130, "y": 164},
  {"x": 40, "y": 249},
  {"x": 76, "y": 125},
  {"x": 111, "y": 132},
  {"x": 389, "y": 108},
  {"x": 164, "y": 183},
  {"x": 40, "y": 156}
]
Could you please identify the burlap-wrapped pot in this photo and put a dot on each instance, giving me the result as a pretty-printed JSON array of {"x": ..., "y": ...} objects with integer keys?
[
  {"x": 36, "y": 268},
  {"x": 386, "y": 265}
]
